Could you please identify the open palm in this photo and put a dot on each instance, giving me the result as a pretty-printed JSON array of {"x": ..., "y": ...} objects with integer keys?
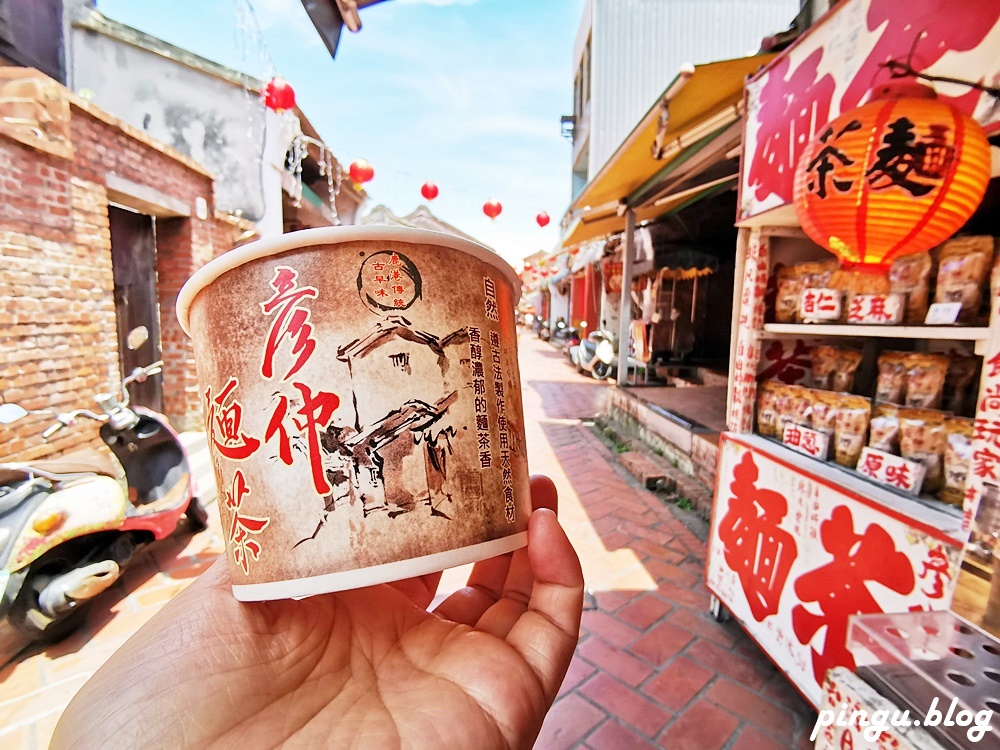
[{"x": 369, "y": 668}]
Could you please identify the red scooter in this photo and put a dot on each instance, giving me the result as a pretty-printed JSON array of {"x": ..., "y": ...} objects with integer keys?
[{"x": 70, "y": 526}]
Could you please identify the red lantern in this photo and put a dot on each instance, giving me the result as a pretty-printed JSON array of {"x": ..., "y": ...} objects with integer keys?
[
  {"x": 895, "y": 176},
  {"x": 492, "y": 208},
  {"x": 278, "y": 95},
  {"x": 542, "y": 219},
  {"x": 361, "y": 172},
  {"x": 429, "y": 191}
]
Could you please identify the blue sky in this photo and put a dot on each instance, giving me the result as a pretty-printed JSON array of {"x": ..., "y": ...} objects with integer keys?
[{"x": 466, "y": 93}]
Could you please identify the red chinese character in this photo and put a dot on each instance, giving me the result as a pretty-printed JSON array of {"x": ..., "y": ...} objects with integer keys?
[
  {"x": 856, "y": 309},
  {"x": 378, "y": 265},
  {"x": 988, "y": 430},
  {"x": 991, "y": 399},
  {"x": 398, "y": 303},
  {"x": 809, "y": 443},
  {"x": 994, "y": 364},
  {"x": 394, "y": 260},
  {"x": 936, "y": 565},
  {"x": 872, "y": 464},
  {"x": 984, "y": 464},
  {"x": 243, "y": 526},
  {"x": 395, "y": 275},
  {"x": 827, "y": 302},
  {"x": 225, "y": 424},
  {"x": 876, "y": 309},
  {"x": 381, "y": 293},
  {"x": 899, "y": 475},
  {"x": 397, "y": 289},
  {"x": 291, "y": 320},
  {"x": 787, "y": 367},
  {"x": 840, "y": 588},
  {"x": 793, "y": 435},
  {"x": 316, "y": 412},
  {"x": 809, "y": 301},
  {"x": 757, "y": 549},
  {"x": 379, "y": 278}
]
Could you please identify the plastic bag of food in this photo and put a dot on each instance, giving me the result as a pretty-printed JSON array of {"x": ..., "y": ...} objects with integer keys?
[
  {"x": 925, "y": 374},
  {"x": 962, "y": 371},
  {"x": 824, "y": 411},
  {"x": 910, "y": 275},
  {"x": 800, "y": 405},
  {"x": 957, "y": 459},
  {"x": 891, "y": 384},
  {"x": 824, "y": 365},
  {"x": 851, "y": 427},
  {"x": 884, "y": 428},
  {"x": 962, "y": 271},
  {"x": 789, "y": 292},
  {"x": 922, "y": 438},
  {"x": 847, "y": 364},
  {"x": 767, "y": 414}
]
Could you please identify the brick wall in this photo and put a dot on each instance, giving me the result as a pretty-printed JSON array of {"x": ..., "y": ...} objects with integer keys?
[{"x": 58, "y": 331}]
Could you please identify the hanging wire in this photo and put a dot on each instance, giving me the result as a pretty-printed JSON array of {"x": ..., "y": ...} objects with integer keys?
[{"x": 901, "y": 69}]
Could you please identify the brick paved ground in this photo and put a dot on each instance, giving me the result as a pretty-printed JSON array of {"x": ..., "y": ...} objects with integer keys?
[{"x": 652, "y": 669}]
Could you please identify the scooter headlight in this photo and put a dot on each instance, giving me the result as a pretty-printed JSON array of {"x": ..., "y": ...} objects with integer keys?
[{"x": 606, "y": 352}]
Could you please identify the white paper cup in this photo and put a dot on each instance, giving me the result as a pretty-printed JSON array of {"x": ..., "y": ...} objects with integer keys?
[{"x": 362, "y": 404}]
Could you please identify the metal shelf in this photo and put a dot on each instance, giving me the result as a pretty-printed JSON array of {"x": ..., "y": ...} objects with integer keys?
[{"x": 979, "y": 334}]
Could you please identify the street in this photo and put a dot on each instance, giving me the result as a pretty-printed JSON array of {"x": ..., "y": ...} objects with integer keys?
[{"x": 652, "y": 668}]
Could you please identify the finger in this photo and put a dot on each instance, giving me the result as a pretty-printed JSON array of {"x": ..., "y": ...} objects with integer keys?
[
  {"x": 420, "y": 590},
  {"x": 547, "y": 633},
  {"x": 486, "y": 583},
  {"x": 484, "y": 588},
  {"x": 504, "y": 614}
]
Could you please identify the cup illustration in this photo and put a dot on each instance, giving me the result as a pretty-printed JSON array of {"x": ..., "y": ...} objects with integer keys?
[{"x": 363, "y": 406}]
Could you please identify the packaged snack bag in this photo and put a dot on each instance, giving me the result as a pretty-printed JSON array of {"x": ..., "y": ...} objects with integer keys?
[
  {"x": 962, "y": 271},
  {"x": 925, "y": 374},
  {"x": 767, "y": 415},
  {"x": 851, "y": 427},
  {"x": 891, "y": 384},
  {"x": 884, "y": 428},
  {"x": 957, "y": 459},
  {"x": 961, "y": 373},
  {"x": 786, "y": 303},
  {"x": 824, "y": 364},
  {"x": 847, "y": 364},
  {"x": 922, "y": 438},
  {"x": 910, "y": 275},
  {"x": 825, "y": 406}
]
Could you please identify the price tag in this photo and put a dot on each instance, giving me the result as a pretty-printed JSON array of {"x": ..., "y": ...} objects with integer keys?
[
  {"x": 943, "y": 313},
  {"x": 820, "y": 304},
  {"x": 875, "y": 309},
  {"x": 892, "y": 471},
  {"x": 807, "y": 441}
]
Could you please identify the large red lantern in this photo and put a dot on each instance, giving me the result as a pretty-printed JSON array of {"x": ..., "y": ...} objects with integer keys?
[
  {"x": 895, "y": 176},
  {"x": 492, "y": 208},
  {"x": 542, "y": 219},
  {"x": 429, "y": 190},
  {"x": 361, "y": 172},
  {"x": 278, "y": 95}
]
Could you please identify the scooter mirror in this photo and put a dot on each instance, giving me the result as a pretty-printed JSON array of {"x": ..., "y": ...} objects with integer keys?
[
  {"x": 136, "y": 338},
  {"x": 11, "y": 413}
]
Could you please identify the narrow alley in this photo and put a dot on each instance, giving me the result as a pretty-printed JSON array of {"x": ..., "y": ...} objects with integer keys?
[{"x": 652, "y": 668}]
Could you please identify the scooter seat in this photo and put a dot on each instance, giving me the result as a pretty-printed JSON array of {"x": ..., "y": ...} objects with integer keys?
[{"x": 78, "y": 462}]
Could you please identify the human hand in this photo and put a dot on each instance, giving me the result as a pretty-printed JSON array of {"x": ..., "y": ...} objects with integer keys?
[{"x": 369, "y": 668}]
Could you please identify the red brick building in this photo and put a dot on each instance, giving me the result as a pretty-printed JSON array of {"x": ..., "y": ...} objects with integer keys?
[{"x": 100, "y": 226}]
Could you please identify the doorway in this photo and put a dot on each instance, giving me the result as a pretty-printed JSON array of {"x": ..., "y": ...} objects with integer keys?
[{"x": 133, "y": 261}]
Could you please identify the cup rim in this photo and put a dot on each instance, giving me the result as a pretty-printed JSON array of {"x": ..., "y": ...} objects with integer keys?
[{"x": 327, "y": 235}]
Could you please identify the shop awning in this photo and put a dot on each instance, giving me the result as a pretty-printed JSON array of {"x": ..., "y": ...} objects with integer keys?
[{"x": 698, "y": 108}]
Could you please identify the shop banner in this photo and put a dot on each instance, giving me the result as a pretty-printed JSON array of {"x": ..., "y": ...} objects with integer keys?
[
  {"x": 831, "y": 69},
  {"x": 793, "y": 557}
]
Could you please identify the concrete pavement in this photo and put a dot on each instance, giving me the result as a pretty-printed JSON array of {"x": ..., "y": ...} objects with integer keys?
[{"x": 652, "y": 668}]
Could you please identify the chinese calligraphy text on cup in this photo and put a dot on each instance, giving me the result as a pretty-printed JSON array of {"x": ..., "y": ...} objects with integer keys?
[{"x": 362, "y": 402}]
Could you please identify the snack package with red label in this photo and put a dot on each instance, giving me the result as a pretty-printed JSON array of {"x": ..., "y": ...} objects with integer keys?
[
  {"x": 957, "y": 459},
  {"x": 891, "y": 384},
  {"x": 851, "y": 427},
  {"x": 910, "y": 275},
  {"x": 883, "y": 432},
  {"x": 925, "y": 375},
  {"x": 963, "y": 267},
  {"x": 923, "y": 438}
]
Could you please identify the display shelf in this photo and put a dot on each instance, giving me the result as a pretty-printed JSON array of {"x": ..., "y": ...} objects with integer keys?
[
  {"x": 934, "y": 513},
  {"x": 979, "y": 334}
]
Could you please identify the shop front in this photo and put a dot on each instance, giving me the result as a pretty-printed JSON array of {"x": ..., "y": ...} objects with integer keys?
[{"x": 864, "y": 391}]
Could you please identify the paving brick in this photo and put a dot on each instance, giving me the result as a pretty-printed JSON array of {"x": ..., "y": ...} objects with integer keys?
[
  {"x": 660, "y": 643},
  {"x": 752, "y": 738},
  {"x": 750, "y": 706},
  {"x": 627, "y": 704},
  {"x": 643, "y": 610},
  {"x": 611, "y": 601},
  {"x": 613, "y": 736},
  {"x": 657, "y": 551},
  {"x": 701, "y": 727},
  {"x": 702, "y": 624},
  {"x": 613, "y": 631},
  {"x": 753, "y": 674},
  {"x": 677, "y": 683},
  {"x": 681, "y": 575},
  {"x": 614, "y": 661},
  {"x": 570, "y": 719},
  {"x": 689, "y": 597},
  {"x": 578, "y": 672},
  {"x": 642, "y": 468}
]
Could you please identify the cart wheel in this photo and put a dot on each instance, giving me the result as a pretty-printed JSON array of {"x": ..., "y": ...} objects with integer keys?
[{"x": 718, "y": 610}]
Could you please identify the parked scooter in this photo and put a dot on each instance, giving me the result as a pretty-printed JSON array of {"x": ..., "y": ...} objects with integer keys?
[
  {"x": 563, "y": 335},
  {"x": 70, "y": 526},
  {"x": 596, "y": 355}
]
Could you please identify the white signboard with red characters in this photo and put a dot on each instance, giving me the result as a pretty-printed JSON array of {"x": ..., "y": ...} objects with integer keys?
[
  {"x": 820, "y": 304},
  {"x": 875, "y": 309},
  {"x": 832, "y": 67},
  {"x": 793, "y": 555},
  {"x": 806, "y": 440},
  {"x": 891, "y": 470}
]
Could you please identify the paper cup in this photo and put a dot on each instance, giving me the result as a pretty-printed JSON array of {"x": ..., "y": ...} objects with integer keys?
[{"x": 362, "y": 404}]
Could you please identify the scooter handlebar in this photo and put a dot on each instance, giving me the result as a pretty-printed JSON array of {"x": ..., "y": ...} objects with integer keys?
[{"x": 65, "y": 420}]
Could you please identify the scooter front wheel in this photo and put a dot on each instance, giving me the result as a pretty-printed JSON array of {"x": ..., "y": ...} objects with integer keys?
[{"x": 601, "y": 371}]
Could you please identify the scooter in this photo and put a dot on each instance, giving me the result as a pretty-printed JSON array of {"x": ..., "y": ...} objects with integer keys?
[
  {"x": 595, "y": 355},
  {"x": 70, "y": 526}
]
